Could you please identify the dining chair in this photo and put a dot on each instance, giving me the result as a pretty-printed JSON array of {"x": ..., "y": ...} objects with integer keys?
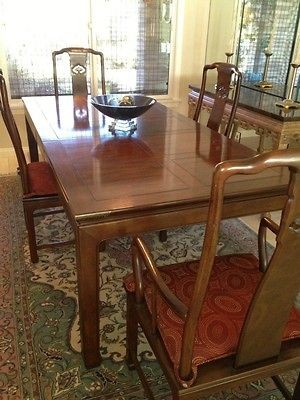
[
  {"x": 226, "y": 75},
  {"x": 79, "y": 58},
  {"x": 222, "y": 321},
  {"x": 40, "y": 192},
  {"x": 81, "y": 62},
  {"x": 229, "y": 80}
]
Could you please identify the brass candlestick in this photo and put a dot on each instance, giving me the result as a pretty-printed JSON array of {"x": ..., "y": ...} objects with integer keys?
[
  {"x": 264, "y": 84},
  {"x": 289, "y": 102},
  {"x": 229, "y": 54}
]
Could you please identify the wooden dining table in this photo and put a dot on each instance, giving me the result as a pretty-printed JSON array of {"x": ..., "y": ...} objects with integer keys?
[{"x": 114, "y": 185}]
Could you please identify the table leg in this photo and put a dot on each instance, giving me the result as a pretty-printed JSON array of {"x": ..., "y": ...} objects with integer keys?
[
  {"x": 33, "y": 149},
  {"x": 235, "y": 135},
  {"x": 261, "y": 147},
  {"x": 280, "y": 141},
  {"x": 87, "y": 259}
]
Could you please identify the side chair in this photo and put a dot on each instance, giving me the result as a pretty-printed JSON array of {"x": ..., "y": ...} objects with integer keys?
[
  {"x": 223, "y": 321},
  {"x": 226, "y": 74},
  {"x": 80, "y": 58},
  {"x": 81, "y": 62},
  {"x": 40, "y": 192}
]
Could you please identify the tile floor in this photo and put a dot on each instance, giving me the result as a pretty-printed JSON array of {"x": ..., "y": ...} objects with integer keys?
[
  {"x": 8, "y": 162},
  {"x": 253, "y": 222}
]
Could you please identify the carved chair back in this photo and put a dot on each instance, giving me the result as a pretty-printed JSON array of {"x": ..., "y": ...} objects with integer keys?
[
  {"x": 281, "y": 282},
  {"x": 228, "y": 78},
  {"x": 79, "y": 58}
]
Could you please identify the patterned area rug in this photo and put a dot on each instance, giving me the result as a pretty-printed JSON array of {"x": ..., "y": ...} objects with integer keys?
[{"x": 39, "y": 337}]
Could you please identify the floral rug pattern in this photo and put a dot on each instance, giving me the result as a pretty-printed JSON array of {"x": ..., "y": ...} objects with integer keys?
[{"x": 39, "y": 333}]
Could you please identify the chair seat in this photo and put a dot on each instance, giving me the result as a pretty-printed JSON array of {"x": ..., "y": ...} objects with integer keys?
[
  {"x": 233, "y": 281},
  {"x": 41, "y": 179}
]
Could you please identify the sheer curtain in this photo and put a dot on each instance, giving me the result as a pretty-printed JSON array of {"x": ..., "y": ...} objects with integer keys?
[{"x": 134, "y": 36}]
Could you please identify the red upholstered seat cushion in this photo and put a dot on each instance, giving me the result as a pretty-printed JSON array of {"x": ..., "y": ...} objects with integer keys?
[
  {"x": 41, "y": 180},
  {"x": 232, "y": 283}
]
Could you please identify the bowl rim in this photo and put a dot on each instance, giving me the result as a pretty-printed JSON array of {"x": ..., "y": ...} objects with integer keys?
[{"x": 153, "y": 100}]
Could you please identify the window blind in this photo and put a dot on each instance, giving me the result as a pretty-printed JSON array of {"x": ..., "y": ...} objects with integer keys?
[{"x": 134, "y": 35}]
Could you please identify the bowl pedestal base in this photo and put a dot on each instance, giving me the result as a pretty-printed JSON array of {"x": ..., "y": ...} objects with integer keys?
[{"x": 122, "y": 126}]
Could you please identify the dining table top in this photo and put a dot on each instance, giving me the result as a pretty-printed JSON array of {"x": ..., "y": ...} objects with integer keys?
[{"x": 169, "y": 160}]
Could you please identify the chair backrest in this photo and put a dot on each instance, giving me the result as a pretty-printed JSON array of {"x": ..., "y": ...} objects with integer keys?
[
  {"x": 277, "y": 290},
  {"x": 228, "y": 78},
  {"x": 79, "y": 58},
  {"x": 13, "y": 133}
]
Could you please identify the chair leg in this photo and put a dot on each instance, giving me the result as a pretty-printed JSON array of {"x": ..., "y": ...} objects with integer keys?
[
  {"x": 29, "y": 221},
  {"x": 131, "y": 332},
  {"x": 296, "y": 394},
  {"x": 281, "y": 386},
  {"x": 132, "y": 342},
  {"x": 102, "y": 246},
  {"x": 163, "y": 236},
  {"x": 284, "y": 390}
]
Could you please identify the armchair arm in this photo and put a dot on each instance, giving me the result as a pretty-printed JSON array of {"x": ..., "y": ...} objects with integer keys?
[
  {"x": 262, "y": 241},
  {"x": 142, "y": 253}
]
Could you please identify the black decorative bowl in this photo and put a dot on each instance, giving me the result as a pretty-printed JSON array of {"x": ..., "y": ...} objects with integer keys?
[{"x": 122, "y": 107}]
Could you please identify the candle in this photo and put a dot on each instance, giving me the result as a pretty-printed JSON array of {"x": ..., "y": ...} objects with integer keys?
[
  {"x": 296, "y": 56},
  {"x": 230, "y": 48},
  {"x": 268, "y": 50},
  {"x": 270, "y": 47},
  {"x": 271, "y": 42},
  {"x": 273, "y": 33}
]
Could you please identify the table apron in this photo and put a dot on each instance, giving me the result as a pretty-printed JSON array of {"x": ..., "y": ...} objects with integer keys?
[{"x": 133, "y": 225}]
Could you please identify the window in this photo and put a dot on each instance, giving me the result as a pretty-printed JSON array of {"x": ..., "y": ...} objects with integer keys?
[
  {"x": 267, "y": 25},
  {"x": 134, "y": 35}
]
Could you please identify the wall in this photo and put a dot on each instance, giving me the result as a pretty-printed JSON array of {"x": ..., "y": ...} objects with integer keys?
[
  {"x": 220, "y": 37},
  {"x": 8, "y": 160},
  {"x": 221, "y": 30},
  {"x": 191, "y": 43}
]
